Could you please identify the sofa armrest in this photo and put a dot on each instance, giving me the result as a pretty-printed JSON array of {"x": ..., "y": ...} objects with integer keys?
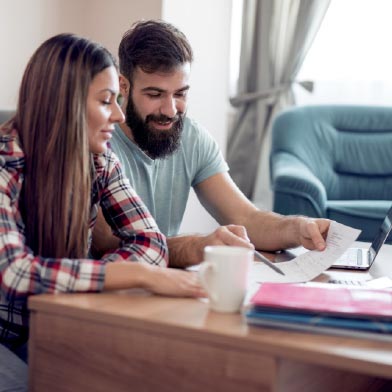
[{"x": 296, "y": 189}]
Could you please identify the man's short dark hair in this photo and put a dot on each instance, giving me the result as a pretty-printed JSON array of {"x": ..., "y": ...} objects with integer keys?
[{"x": 153, "y": 45}]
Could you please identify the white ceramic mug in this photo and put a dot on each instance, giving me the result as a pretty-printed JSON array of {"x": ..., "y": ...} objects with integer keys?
[{"x": 224, "y": 275}]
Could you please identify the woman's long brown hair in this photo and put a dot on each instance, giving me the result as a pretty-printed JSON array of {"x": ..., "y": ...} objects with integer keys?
[{"x": 51, "y": 121}]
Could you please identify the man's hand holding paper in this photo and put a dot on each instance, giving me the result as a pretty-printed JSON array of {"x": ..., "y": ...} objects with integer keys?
[{"x": 307, "y": 266}]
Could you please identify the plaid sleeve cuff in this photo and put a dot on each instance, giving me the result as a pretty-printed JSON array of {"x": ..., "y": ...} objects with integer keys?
[{"x": 91, "y": 276}]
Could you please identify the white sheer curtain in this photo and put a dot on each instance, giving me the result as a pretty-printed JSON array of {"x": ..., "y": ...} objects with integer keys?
[
  {"x": 350, "y": 61},
  {"x": 276, "y": 36}
]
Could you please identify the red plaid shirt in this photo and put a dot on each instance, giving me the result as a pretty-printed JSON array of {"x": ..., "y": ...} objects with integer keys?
[{"x": 23, "y": 274}]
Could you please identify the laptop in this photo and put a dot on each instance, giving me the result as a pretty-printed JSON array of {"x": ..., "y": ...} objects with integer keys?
[{"x": 360, "y": 258}]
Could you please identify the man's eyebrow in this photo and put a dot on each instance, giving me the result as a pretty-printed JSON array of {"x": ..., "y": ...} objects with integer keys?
[
  {"x": 185, "y": 88},
  {"x": 161, "y": 90},
  {"x": 150, "y": 88}
]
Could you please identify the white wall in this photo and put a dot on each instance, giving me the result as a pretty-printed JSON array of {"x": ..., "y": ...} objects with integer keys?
[
  {"x": 25, "y": 24},
  {"x": 207, "y": 26}
]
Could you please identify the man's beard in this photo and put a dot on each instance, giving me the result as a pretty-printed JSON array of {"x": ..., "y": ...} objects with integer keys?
[{"x": 155, "y": 143}]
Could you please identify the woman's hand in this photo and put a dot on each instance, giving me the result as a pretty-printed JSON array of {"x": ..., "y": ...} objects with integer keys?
[
  {"x": 165, "y": 281},
  {"x": 173, "y": 282}
]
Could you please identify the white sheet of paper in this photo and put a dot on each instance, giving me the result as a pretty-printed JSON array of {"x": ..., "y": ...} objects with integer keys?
[
  {"x": 384, "y": 282},
  {"x": 308, "y": 265}
]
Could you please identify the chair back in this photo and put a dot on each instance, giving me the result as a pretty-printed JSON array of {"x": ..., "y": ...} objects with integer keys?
[
  {"x": 349, "y": 148},
  {"x": 5, "y": 115},
  {"x": 334, "y": 161}
]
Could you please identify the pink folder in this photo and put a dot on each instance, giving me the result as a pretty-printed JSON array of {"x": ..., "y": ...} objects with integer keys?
[{"x": 328, "y": 299}]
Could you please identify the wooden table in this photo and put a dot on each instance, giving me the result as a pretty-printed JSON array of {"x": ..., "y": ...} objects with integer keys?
[{"x": 134, "y": 341}]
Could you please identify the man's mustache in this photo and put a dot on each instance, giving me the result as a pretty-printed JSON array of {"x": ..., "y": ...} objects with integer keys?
[{"x": 163, "y": 118}]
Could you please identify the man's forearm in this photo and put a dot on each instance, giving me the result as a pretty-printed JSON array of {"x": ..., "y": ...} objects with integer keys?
[
  {"x": 270, "y": 231},
  {"x": 185, "y": 250},
  {"x": 189, "y": 249}
]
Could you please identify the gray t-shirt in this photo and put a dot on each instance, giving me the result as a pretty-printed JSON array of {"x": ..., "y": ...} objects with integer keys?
[{"x": 164, "y": 184}]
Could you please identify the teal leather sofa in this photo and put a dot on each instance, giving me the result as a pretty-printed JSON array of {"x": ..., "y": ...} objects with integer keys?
[
  {"x": 334, "y": 161},
  {"x": 6, "y": 115}
]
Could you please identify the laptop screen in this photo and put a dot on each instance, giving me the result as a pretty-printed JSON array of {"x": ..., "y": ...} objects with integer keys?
[{"x": 381, "y": 236}]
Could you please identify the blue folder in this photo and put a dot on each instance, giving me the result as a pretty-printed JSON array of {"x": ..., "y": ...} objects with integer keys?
[{"x": 302, "y": 321}]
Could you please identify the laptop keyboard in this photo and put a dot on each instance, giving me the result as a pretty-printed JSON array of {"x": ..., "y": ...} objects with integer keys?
[
  {"x": 348, "y": 282},
  {"x": 354, "y": 256}
]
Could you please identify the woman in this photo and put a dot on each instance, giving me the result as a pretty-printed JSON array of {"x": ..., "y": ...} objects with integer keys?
[{"x": 55, "y": 170}]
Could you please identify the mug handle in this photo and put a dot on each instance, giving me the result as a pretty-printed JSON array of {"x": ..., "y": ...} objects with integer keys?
[{"x": 205, "y": 270}]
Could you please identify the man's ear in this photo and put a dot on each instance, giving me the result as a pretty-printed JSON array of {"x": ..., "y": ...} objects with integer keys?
[{"x": 124, "y": 86}]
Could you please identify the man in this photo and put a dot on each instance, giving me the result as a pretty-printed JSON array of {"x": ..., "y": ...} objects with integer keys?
[{"x": 164, "y": 153}]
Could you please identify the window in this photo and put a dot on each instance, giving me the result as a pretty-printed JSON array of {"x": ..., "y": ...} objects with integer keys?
[{"x": 350, "y": 60}]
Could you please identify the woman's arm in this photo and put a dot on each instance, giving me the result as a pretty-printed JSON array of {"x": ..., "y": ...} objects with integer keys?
[
  {"x": 23, "y": 274},
  {"x": 129, "y": 219}
]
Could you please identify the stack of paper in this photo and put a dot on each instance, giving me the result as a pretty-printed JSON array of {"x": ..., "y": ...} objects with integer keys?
[{"x": 329, "y": 309}]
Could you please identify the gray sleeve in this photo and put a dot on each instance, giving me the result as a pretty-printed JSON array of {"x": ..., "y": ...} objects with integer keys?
[{"x": 209, "y": 157}]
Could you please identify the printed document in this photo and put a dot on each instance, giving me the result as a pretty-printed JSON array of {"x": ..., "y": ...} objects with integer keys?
[{"x": 307, "y": 266}]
